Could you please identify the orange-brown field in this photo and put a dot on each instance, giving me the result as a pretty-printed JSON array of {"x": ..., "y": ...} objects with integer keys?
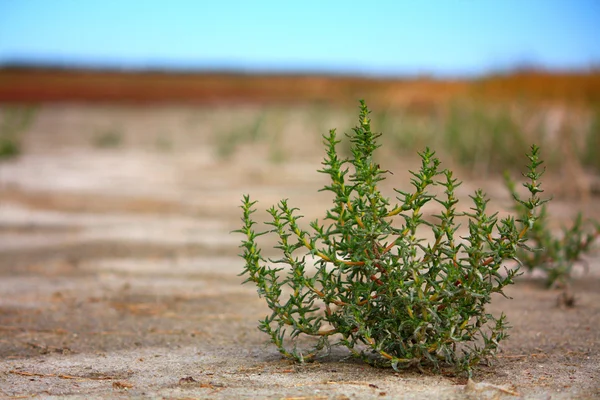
[{"x": 47, "y": 85}]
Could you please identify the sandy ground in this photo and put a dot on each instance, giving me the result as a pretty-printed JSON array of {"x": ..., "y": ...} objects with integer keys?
[{"x": 119, "y": 277}]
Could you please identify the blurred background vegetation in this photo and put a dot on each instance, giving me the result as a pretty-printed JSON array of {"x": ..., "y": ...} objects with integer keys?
[
  {"x": 449, "y": 76},
  {"x": 483, "y": 125}
]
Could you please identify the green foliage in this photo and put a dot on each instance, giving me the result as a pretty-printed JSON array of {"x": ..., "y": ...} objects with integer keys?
[
  {"x": 9, "y": 147},
  {"x": 14, "y": 121},
  {"x": 556, "y": 255},
  {"x": 164, "y": 143},
  {"x": 410, "y": 133},
  {"x": 592, "y": 142},
  {"x": 108, "y": 139},
  {"x": 378, "y": 288},
  {"x": 486, "y": 141},
  {"x": 228, "y": 142}
]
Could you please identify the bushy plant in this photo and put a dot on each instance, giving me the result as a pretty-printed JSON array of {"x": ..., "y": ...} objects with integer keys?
[
  {"x": 555, "y": 254},
  {"x": 378, "y": 288}
]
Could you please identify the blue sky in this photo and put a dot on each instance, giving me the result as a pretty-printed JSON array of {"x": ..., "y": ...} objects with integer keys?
[{"x": 441, "y": 37}]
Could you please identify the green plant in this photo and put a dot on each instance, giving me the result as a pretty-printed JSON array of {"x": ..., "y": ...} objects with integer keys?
[
  {"x": 379, "y": 289},
  {"x": 228, "y": 142},
  {"x": 484, "y": 140},
  {"x": 108, "y": 138},
  {"x": 556, "y": 255},
  {"x": 164, "y": 143},
  {"x": 592, "y": 142},
  {"x": 411, "y": 132},
  {"x": 13, "y": 123}
]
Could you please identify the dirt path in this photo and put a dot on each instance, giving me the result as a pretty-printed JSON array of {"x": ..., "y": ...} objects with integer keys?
[{"x": 118, "y": 279}]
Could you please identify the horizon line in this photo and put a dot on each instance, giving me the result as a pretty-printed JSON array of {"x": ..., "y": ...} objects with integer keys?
[{"x": 169, "y": 68}]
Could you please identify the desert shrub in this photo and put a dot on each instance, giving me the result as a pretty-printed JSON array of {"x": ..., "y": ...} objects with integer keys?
[
  {"x": 554, "y": 254},
  {"x": 381, "y": 290}
]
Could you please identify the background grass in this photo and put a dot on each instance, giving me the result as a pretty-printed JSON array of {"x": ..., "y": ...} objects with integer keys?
[
  {"x": 484, "y": 139},
  {"x": 484, "y": 125},
  {"x": 14, "y": 122}
]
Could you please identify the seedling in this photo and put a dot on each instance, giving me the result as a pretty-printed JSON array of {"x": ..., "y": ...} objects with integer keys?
[{"x": 377, "y": 287}]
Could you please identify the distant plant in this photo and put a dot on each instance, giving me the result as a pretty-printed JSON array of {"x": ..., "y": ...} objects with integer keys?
[
  {"x": 556, "y": 255},
  {"x": 484, "y": 140},
  {"x": 108, "y": 138},
  {"x": 277, "y": 154},
  {"x": 14, "y": 121},
  {"x": 410, "y": 133},
  {"x": 379, "y": 289},
  {"x": 163, "y": 143},
  {"x": 590, "y": 154},
  {"x": 228, "y": 142}
]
